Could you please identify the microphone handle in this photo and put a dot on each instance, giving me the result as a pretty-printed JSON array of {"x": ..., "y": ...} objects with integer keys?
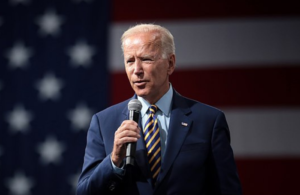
[{"x": 131, "y": 147}]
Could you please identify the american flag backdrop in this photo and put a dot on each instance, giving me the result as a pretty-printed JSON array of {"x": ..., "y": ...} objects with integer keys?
[
  {"x": 242, "y": 57},
  {"x": 53, "y": 76},
  {"x": 60, "y": 62}
]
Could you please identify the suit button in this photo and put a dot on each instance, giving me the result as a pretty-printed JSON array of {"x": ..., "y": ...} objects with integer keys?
[{"x": 112, "y": 186}]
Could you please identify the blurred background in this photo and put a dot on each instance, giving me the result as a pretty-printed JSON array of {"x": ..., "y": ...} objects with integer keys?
[{"x": 61, "y": 62}]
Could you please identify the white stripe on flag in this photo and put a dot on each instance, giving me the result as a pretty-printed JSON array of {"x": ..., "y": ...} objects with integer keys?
[
  {"x": 264, "y": 132},
  {"x": 234, "y": 42}
]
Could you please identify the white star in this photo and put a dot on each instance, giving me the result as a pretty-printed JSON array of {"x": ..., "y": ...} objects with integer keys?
[
  {"x": 50, "y": 23},
  {"x": 49, "y": 87},
  {"x": 73, "y": 180},
  {"x": 81, "y": 54},
  {"x": 51, "y": 151},
  {"x": 19, "y": 184},
  {"x": 19, "y": 119},
  {"x": 15, "y": 2},
  {"x": 80, "y": 117},
  {"x": 19, "y": 55}
]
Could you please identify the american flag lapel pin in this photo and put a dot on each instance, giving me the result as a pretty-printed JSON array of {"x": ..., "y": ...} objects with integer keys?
[{"x": 184, "y": 124}]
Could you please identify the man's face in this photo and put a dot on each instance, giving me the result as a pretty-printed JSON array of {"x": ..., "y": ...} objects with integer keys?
[{"x": 148, "y": 72}]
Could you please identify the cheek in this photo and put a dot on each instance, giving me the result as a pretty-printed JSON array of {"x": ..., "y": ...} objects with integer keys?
[
  {"x": 160, "y": 73},
  {"x": 128, "y": 72}
]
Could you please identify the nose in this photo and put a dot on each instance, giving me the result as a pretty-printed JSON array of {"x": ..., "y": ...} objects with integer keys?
[{"x": 138, "y": 69}]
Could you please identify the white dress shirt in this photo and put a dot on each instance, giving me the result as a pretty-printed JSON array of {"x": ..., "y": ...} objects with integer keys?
[{"x": 163, "y": 115}]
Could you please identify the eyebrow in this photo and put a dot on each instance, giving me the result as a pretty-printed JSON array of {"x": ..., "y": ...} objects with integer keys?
[
  {"x": 141, "y": 57},
  {"x": 148, "y": 56},
  {"x": 127, "y": 57}
]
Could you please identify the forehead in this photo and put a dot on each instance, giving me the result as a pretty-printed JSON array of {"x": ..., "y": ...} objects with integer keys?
[{"x": 141, "y": 41}]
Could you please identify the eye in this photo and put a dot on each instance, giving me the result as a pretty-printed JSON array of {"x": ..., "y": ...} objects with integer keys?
[
  {"x": 129, "y": 61},
  {"x": 147, "y": 59}
]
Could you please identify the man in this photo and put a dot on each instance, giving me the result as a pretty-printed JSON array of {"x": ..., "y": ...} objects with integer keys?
[{"x": 191, "y": 153}]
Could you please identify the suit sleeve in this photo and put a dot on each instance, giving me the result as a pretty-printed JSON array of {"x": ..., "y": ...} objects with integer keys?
[
  {"x": 97, "y": 175},
  {"x": 224, "y": 176}
]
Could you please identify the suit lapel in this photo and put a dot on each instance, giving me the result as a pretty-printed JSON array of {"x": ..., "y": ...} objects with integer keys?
[{"x": 179, "y": 126}]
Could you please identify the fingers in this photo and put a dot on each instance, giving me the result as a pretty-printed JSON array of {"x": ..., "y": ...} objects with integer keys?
[{"x": 129, "y": 131}]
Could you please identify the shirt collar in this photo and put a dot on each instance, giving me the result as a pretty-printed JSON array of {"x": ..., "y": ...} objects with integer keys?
[{"x": 164, "y": 103}]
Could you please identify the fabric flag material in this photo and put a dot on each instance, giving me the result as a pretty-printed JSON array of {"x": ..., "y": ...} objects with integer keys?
[
  {"x": 61, "y": 62},
  {"x": 242, "y": 57},
  {"x": 53, "y": 77}
]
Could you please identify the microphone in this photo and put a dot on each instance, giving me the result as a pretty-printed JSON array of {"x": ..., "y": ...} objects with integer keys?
[{"x": 134, "y": 107}]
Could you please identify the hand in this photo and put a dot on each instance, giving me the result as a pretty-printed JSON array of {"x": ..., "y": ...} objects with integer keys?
[{"x": 129, "y": 131}]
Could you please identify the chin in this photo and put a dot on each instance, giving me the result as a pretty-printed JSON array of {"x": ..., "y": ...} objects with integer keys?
[{"x": 141, "y": 93}]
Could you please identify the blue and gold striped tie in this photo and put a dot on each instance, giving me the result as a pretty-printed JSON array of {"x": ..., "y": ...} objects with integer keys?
[{"x": 152, "y": 140}]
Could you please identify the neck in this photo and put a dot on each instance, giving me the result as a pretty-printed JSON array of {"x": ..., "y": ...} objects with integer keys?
[{"x": 154, "y": 99}]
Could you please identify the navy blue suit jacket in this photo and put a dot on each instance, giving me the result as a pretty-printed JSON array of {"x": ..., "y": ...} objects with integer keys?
[{"x": 198, "y": 157}]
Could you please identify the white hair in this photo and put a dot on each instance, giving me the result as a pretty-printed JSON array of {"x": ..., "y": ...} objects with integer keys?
[{"x": 164, "y": 35}]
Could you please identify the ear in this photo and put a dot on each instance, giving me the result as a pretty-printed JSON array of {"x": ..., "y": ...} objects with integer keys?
[{"x": 171, "y": 63}]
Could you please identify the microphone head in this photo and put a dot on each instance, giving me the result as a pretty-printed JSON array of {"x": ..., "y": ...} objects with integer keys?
[{"x": 135, "y": 105}]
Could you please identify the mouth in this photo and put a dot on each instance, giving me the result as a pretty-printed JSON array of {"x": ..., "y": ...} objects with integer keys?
[{"x": 140, "y": 83}]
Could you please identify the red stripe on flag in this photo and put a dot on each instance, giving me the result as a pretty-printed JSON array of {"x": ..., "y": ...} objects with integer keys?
[
  {"x": 276, "y": 176},
  {"x": 157, "y": 10},
  {"x": 246, "y": 87}
]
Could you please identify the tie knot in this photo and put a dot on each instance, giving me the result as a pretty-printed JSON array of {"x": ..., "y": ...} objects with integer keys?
[{"x": 153, "y": 109}]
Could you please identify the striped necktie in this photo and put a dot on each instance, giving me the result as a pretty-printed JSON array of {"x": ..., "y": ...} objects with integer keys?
[{"x": 152, "y": 140}]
